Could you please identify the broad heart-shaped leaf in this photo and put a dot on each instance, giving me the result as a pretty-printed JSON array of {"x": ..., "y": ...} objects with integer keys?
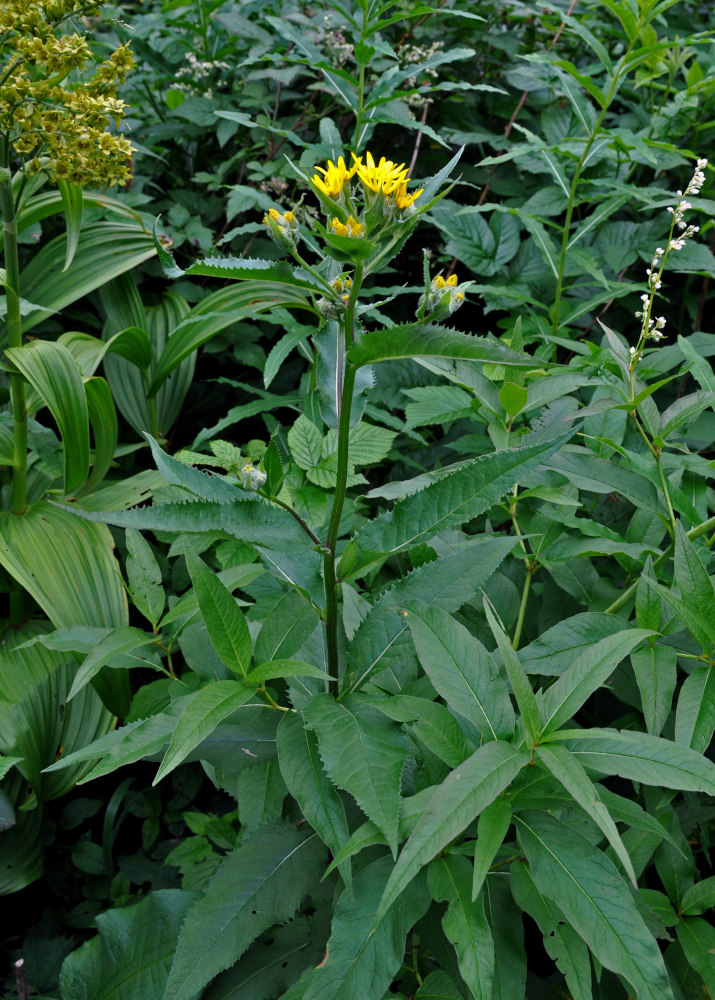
[
  {"x": 696, "y": 588},
  {"x": 567, "y": 770},
  {"x": 202, "y": 714},
  {"x": 641, "y": 757},
  {"x": 428, "y": 340},
  {"x": 252, "y": 520},
  {"x": 223, "y": 618},
  {"x": 695, "y": 712},
  {"x": 144, "y": 577},
  {"x": 131, "y": 955},
  {"x": 567, "y": 694},
  {"x": 464, "y": 923},
  {"x": 655, "y": 670},
  {"x": 362, "y": 957},
  {"x": 53, "y": 373},
  {"x": 68, "y": 567},
  {"x": 586, "y": 886},
  {"x": 258, "y": 884},
  {"x": 520, "y": 683},
  {"x": 561, "y": 941},
  {"x": 454, "y": 500},
  {"x": 697, "y": 939},
  {"x": 384, "y": 634},
  {"x": 461, "y": 671},
  {"x": 303, "y": 773},
  {"x": 455, "y": 803},
  {"x": 364, "y": 753}
]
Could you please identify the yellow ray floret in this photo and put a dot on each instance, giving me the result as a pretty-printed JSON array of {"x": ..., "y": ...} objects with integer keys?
[
  {"x": 384, "y": 177},
  {"x": 402, "y": 198},
  {"x": 334, "y": 176},
  {"x": 351, "y": 227}
]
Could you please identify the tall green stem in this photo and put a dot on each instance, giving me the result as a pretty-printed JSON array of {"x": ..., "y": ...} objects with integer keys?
[{"x": 347, "y": 334}]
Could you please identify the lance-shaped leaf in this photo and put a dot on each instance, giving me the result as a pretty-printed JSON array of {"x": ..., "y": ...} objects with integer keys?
[
  {"x": 202, "y": 714},
  {"x": 53, "y": 373},
  {"x": 567, "y": 694},
  {"x": 144, "y": 577},
  {"x": 454, "y": 500},
  {"x": 559, "y": 647},
  {"x": 586, "y": 886},
  {"x": 364, "y": 753},
  {"x": 566, "y": 769},
  {"x": 223, "y": 618},
  {"x": 697, "y": 939},
  {"x": 493, "y": 824},
  {"x": 655, "y": 670},
  {"x": 429, "y": 340},
  {"x": 455, "y": 803},
  {"x": 464, "y": 923},
  {"x": 520, "y": 683},
  {"x": 119, "y": 641},
  {"x": 561, "y": 941},
  {"x": 695, "y": 712},
  {"x": 303, "y": 773},
  {"x": 258, "y": 884},
  {"x": 641, "y": 757},
  {"x": 461, "y": 671},
  {"x": 206, "y": 485},
  {"x": 696, "y": 587},
  {"x": 362, "y": 958}
]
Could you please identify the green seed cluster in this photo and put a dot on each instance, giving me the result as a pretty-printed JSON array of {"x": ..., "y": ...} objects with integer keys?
[{"x": 56, "y": 101}]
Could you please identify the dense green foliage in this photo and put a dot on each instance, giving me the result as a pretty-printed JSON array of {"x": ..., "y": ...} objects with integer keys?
[{"x": 360, "y": 625}]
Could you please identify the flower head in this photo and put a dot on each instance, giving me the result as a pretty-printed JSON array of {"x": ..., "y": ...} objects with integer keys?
[
  {"x": 381, "y": 178},
  {"x": 351, "y": 227},
  {"x": 334, "y": 177},
  {"x": 404, "y": 200}
]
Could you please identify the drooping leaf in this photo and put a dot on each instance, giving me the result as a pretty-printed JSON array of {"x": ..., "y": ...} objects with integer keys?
[
  {"x": 362, "y": 955},
  {"x": 455, "y": 803},
  {"x": 260, "y": 883},
  {"x": 507, "y": 930},
  {"x": 494, "y": 821},
  {"x": 364, "y": 753},
  {"x": 223, "y": 618},
  {"x": 131, "y": 955},
  {"x": 464, "y": 923},
  {"x": 585, "y": 885},
  {"x": 520, "y": 683},
  {"x": 202, "y": 714}
]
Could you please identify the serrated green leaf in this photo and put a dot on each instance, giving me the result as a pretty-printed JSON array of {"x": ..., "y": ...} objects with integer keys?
[
  {"x": 364, "y": 753},
  {"x": 436, "y": 404},
  {"x": 454, "y": 500},
  {"x": 131, "y": 955},
  {"x": 561, "y": 941},
  {"x": 303, "y": 773},
  {"x": 464, "y": 923},
  {"x": 305, "y": 442},
  {"x": 428, "y": 340},
  {"x": 144, "y": 577},
  {"x": 203, "y": 712},
  {"x": 223, "y": 618},
  {"x": 260, "y": 791},
  {"x": 455, "y": 803},
  {"x": 461, "y": 671},
  {"x": 567, "y": 869},
  {"x": 258, "y": 884},
  {"x": 494, "y": 821},
  {"x": 362, "y": 957},
  {"x": 641, "y": 757},
  {"x": 434, "y": 726}
]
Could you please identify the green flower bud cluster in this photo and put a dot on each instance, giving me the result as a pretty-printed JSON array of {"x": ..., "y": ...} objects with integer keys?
[
  {"x": 56, "y": 102},
  {"x": 443, "y": 298}
]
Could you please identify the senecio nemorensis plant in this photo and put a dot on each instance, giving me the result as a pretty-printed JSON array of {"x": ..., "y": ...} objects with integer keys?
[{"x": 411, "y": 776}]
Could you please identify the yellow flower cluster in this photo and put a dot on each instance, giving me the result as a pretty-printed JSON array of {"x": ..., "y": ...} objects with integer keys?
[
  {"x": 386, "y": 178},
  {"x": 50, "y": 123},
  {"x": 351, "y": 227}
]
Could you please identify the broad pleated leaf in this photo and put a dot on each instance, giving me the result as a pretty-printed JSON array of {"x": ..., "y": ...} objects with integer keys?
[
  {"x": 655, "y": 670},
  {"x": 202, "y": 714},
  {"x": 103, "y": 424},
  {"x": 455, "y": 803},
  {"x": 224, "y": 620},
  {"x": 365, "y": 754},
  {"x": 695, "y": 712},
  {"x": 68, "y": 567},
  {"x": 464, "y": 923},
  {"x": 461, "y": 671},
  {"x": 303, "y": 773},
  {"x": 641, "y": 757},
  {"x": 22, "y": 847},
  {"x": 567, "y": 694},
  {"x": 561, "y": 941},
  {"x": 429, "y": 340},
  {"x": 384, "y": 635},
  {"x": 362, "y": 957},
  {"x": 454, "y": 500},
  {"x": 258, "y": 884},
  {"x": 131, "y": 955},
  {"x": 53, "y": 373},
  {"x": 586, "y": 886}
]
